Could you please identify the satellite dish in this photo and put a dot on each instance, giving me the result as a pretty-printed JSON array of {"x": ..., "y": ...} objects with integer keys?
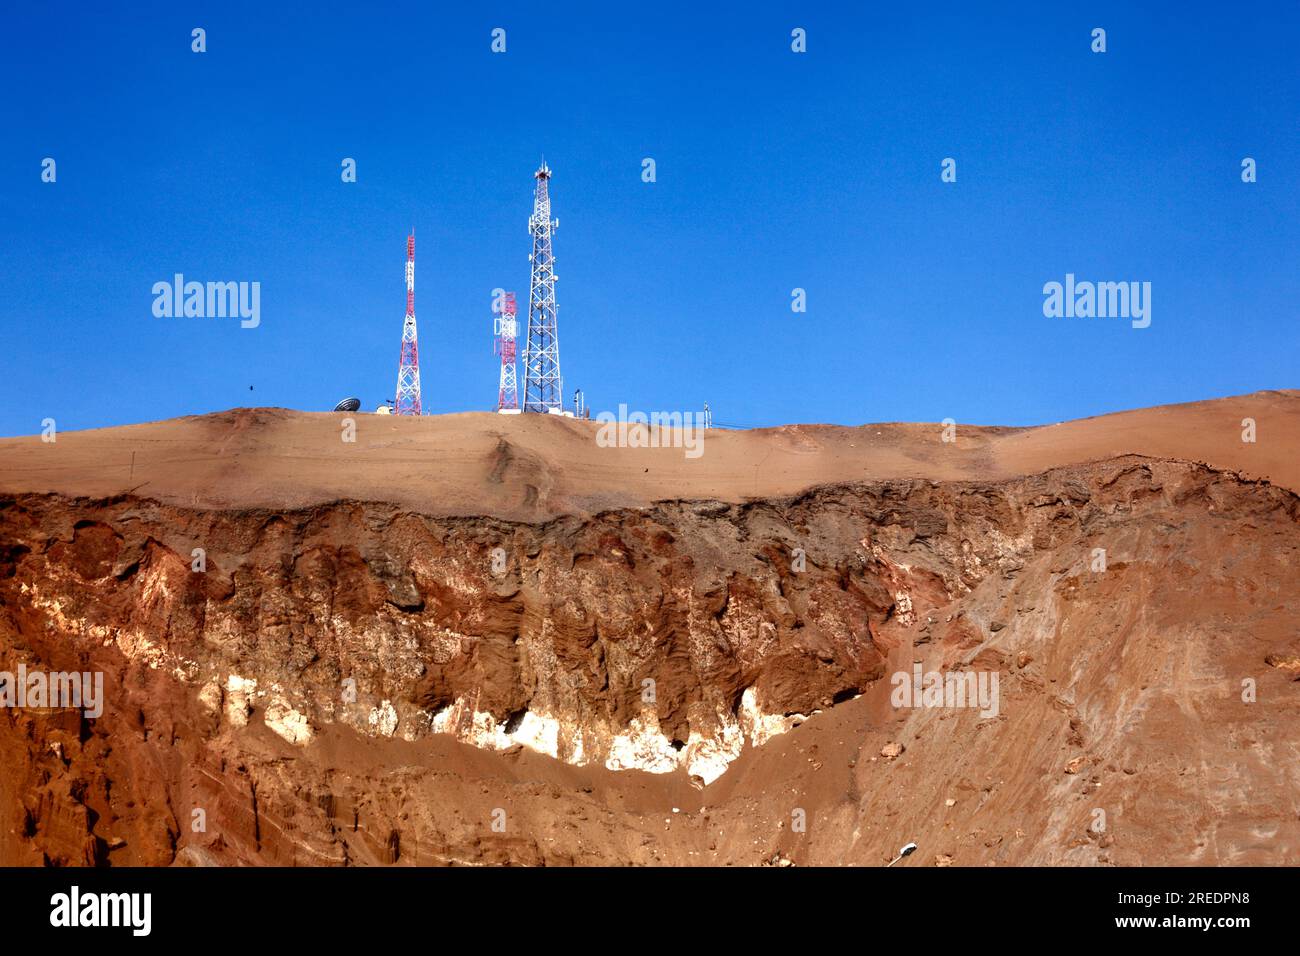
[
  {"x": 348, "y": 405},
  {"x": 383, "y": 410},
  {"x": 907, "y": 850}
]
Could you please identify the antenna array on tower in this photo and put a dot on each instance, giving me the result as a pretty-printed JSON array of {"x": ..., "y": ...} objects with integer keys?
[
  {"x": 507, "y": 331},
  {"x": 543, "y": 386}
]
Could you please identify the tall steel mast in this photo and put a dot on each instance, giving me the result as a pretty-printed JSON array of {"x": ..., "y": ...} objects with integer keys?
[
  {"x": 542, "y": 385},
  {"x": 408, "y": 364}
]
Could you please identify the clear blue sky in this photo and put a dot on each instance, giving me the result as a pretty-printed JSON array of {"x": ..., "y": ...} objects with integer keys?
[{"x": 775, "y": 170}]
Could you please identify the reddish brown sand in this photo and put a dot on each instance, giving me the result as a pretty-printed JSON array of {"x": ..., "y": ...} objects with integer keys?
[
  {"x": 528, "y": 467},
  {"x": 1121, "y": 691}
]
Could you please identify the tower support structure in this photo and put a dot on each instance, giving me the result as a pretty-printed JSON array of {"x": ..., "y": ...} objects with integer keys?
[
  {"x": 408, "y": 363},
  {"x": 543, "y": 388}
]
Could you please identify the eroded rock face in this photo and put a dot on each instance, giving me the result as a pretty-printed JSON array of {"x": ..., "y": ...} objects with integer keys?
[{"x": 319, "y": 655}]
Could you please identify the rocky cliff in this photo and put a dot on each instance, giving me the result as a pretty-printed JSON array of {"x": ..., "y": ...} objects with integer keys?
[{"x": 695, "y": 681}]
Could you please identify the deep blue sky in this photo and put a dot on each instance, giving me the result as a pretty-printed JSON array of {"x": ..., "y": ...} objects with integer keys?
[{"x": 775, "y": 170}]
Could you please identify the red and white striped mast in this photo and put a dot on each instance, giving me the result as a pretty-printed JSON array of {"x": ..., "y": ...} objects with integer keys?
[
  {"x": 507, "y": 331},
  {"x": 408, "y": 365}
]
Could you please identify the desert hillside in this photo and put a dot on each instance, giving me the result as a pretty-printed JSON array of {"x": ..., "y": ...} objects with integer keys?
[
  {"x": 488, "y": 639},
  {"x": 533, "y": 467}
]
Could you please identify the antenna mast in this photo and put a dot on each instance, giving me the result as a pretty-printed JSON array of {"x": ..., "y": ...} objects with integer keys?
[
  {"x": 408, "y": 364},
  {"x": 542, "y": 384},
  {"x": 507, "y": 331}
]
